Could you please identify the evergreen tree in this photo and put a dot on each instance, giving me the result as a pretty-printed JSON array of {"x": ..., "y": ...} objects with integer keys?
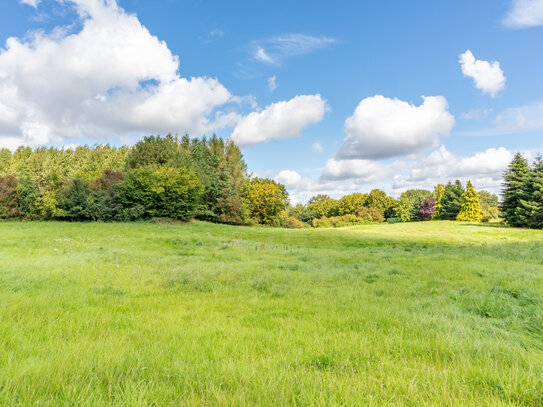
[
  {"x": 439, "y": 195},
  {"x": 512, "y": 188},
  {"x": 529, "y": 213},
  {"x": 471, "y": 207},
  {"x": 452, "y": 200}
]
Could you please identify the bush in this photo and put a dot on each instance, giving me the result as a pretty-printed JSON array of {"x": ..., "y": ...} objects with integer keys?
[
  {"x": 293, "y": 223},
  {"x": 75, "y": 198},
  {"x": 164, "y": 192},
  {"x": 338, "y": 221},
  {"x": 9, "y": 199},
  {"x": 370, "y": 214},
  {"x": 104, "y": 203}
]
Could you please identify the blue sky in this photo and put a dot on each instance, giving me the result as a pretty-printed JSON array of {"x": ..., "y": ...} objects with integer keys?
[{"x": 324, "y": 97}]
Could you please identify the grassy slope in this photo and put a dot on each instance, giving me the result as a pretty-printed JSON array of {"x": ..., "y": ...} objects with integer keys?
[{"x": 134, "y": 314}]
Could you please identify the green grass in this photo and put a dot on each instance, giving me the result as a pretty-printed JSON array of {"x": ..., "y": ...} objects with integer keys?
[{"x": 413, "y": 314}]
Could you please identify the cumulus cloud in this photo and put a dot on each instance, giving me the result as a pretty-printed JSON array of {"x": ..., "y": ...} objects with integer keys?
[
  {"x": 525, "y": 13},
  {"x": 280, "y": 120},
  {"x": 488, "y": 76},
  {"x": 361, "y": 170},
  {"x": 289, "y": 178},
  {"x": 382, "y": 128},
  {"x": 484, "y": 169},
  {"x": 112, "y": 77}
]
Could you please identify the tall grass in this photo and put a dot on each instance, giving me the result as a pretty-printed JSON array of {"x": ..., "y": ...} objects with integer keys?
[{"x": 432, "y": 313}]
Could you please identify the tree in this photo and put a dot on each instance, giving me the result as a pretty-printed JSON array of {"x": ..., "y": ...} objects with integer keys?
[
  {"x": 160, "y": 192},
  {"x": 439, "y": 193},
  {"x": 417, "y": 197},
  {"x": 512, "y": 188},
  {"x": 350, "y": 203},
  {"x": 323, "y": 205},
  {"x": 452, "y": 200},
  {"x": 404, "y": 209},
  {"x": 266, "y": 200},
  {"x": 75, "y": 200},
  {"x": 427, "y": 209},
  {"x": 529, "y": 213},
  {"x": 377, "y": 199},
  {"x": 471, "y": 208},
  {"x": 152, "y": 150},
  {"x": 489, "y": 204}
]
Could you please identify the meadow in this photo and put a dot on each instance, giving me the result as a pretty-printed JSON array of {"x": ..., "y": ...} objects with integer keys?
[{"x": 150, "y": 314}]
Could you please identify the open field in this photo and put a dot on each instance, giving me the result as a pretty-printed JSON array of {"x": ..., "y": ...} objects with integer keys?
[{"x": 414, "y": 314}]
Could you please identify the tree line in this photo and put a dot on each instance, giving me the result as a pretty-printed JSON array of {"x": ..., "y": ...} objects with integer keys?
[{"x": 183, "y": 178}]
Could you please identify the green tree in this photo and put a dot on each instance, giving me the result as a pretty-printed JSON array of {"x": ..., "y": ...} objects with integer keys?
[
  {"x": 417, "y": 197},
  {"x": 439, "y": 194},
  {"x": 350, "y": 203},
  {"x": 378, "y": 199},
  {"x": 160, "y": 191},
  {"x": 266, "y": 200},
  {"x": 529, "y": 213},
  {"x": 470, "y": 210},
  {"x": 404, "y": 209},
  {"x": 513, "y": 188},
  {"x": 452, "y": 200}
]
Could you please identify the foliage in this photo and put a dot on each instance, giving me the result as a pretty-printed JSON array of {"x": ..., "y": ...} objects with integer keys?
[
  {"x": 370, "y": 214},
  {"x": 439, "y": 194},
  {"x": 266, "y": 199},
  {"x": 404, "y": 209},
  {"x": 350, "y": 203},
  {"x": 48, "y": 206},
  {"x": 427, "y": 209},
  {"x": 159, "y": 191},
  {"x": 9, "y": 199},
  {"x": 489, "y": 204},
  {"x": 75, "y": 199},
  {"x": 512, "y": 188},
  {"x": 471, "y": 208},
  {"x": 323, "y": 206},
  {"x": 293, "y": 223},
  {"x": 452, "y": 200},
  {"x": 529, "y": 212},
  {"x": 338, "y": 221},
  {"x": 378, "y": 199}
]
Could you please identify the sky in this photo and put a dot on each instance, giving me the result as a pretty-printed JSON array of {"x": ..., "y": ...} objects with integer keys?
[{"x": 325, "y": 97}]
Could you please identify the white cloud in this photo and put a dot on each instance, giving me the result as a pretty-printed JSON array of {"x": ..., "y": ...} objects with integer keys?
[
  {"x": 280, "y": 120},
  {"x": 525, "y": 13},
  {"x": 488, "y": 76},
  {"x": 382, "y": 128},
  {"x": 272, "y": 84},
  {"x": 262, "y": 56},
  {"x": 33, "y": 3},
  {"x": 484, "y": 169},
  {"x": 361, "y": 170},
  {"x": 317, "y": 147},
  {"x": 475, "y": 114},
  {"x": 273, "y": 50},
  {"x": 112, "y": 77},
  {"x": 289, "y": 178}
]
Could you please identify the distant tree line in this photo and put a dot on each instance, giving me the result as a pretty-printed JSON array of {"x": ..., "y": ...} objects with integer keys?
[
  {"x": 184, "y": 178},
  {"x": 170, "y": 177},
  {"x": 446, "y": 202}
]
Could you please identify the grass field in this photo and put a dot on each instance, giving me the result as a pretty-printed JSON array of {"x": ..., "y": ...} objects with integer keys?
[{"x": 411, "y": 314}]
